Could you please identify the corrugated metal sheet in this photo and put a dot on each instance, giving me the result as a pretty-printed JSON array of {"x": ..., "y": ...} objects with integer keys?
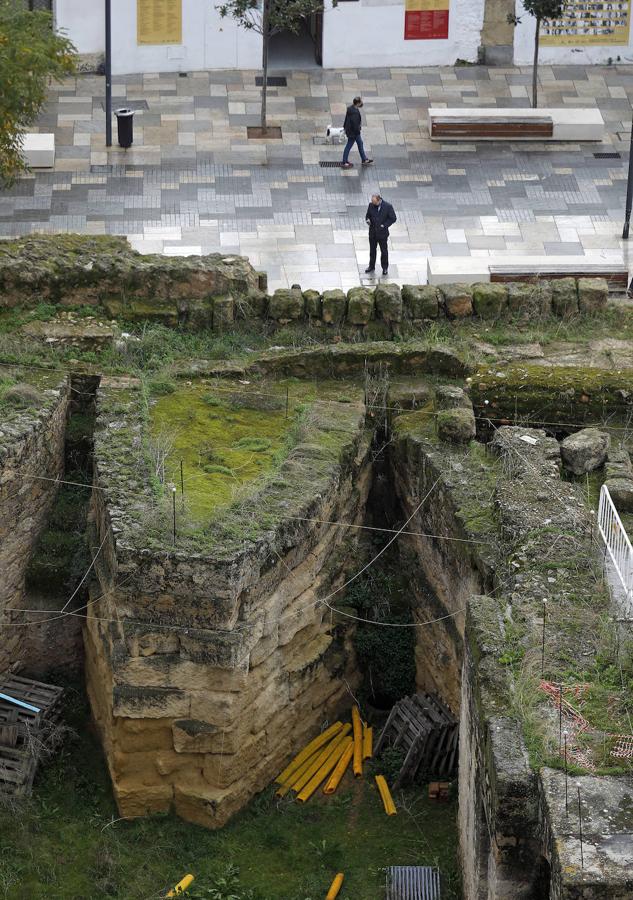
[{"x": 413, "y": 883}]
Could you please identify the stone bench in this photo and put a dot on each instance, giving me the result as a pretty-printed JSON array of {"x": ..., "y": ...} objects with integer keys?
[
  {"x": 515, "y": 124},
  {"x": 469, "y": 270},
  {"x": 38, "y": 151}
]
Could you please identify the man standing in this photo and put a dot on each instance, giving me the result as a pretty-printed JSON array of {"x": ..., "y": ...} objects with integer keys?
[
  {"x": 380, "y": 216},
  {"x": 352, "y": 126}
]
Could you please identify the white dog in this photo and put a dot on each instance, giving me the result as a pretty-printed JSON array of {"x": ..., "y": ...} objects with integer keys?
[{"x": 335, "y": 135}]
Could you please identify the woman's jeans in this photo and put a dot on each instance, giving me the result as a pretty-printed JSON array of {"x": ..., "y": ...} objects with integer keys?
[{"x": 356, "y": 139}]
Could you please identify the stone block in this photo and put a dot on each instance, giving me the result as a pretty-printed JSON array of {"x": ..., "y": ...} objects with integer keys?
[
  {"x": 286, "y": 305},
  {"x": 360, "y": 305},
  {"x": 564, "y": 298},
  {"x": 585, "y": 450},
  {"x": 593, "y": 294},
  {"x": 223, "y": 313},
  {"x": 312, "y": 300},
  {"x": 449, "y": 396},
  {"x": 388, "y": 302},
  {"x": 421, "y": 301},
  {"x": 149, "y": 702},
  {"x": 530, "y": 301},
  {"x": 135, "y": 735},
  {"x": 196, "y": 736},
  {"x": 333, "y": 306},
  {"x": 456, "y": 425},
  {"x": 458, "y": 300},
  {"x": 215, "y": 708},
  {"x": 253, "y": 306},
  {"x": 618, "y": 464},
  {"x": 490, "y": 299},
  {"x": 136, "y": 800},
  {"x": 621, "y": 490}
]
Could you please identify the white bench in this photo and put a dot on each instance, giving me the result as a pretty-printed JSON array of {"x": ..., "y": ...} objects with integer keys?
[
  {"x": 515, "y": 124},
  {"x": 469, "y": 270},
  {"x": 38, "y": 150}
]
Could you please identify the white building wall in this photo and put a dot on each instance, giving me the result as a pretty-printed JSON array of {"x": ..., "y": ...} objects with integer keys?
[
  {"x": 83, "y": 22},
  {"x": 579, "y": 55},
  {"x": 208, "y": 42},
  {"x": 371, "y": 33},
  {"x": 366, "y": 33}
]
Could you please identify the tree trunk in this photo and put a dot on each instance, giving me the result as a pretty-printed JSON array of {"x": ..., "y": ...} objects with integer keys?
[
  {"x": 265, "y": 39},
  {"x": 537, "y": 36}
]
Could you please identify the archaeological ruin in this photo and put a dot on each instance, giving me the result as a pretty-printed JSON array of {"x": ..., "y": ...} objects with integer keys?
[{"x": 237, "y": 492}]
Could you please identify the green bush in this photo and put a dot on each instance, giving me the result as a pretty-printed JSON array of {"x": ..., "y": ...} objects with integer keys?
[{"x": 161, "y": 387}]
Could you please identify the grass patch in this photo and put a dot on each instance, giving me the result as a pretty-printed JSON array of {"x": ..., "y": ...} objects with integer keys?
[{"x": 64, "y": 844}]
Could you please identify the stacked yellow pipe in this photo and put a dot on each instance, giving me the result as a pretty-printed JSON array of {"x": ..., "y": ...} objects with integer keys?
[
  {"x": 335, "y": 887},
  {"x": 385, "y": 796},
  {"x": 312, "y": 765},
  {"x": 368, "y": 742},
  {"x": 182, "y": 886},
  {"x": 358, "y": 742},
  {"x": 341, "y": 767},
  {"x": 307, "y": 751},
  {"x": 324, "y": 770}
]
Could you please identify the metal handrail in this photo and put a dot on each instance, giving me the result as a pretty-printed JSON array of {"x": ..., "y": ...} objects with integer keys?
[{"x": 616, "y": 540}]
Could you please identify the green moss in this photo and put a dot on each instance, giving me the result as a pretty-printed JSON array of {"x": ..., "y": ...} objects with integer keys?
[
  {"x": 552, "y": 394},
  {"x": 223, "y": 449}
]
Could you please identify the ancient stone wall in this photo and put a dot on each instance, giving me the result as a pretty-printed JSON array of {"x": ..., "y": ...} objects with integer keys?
[
  {"x": 31, "y": 458},
  {"x": 205, "y": 670},
  {"x": 218, "y": 291}
]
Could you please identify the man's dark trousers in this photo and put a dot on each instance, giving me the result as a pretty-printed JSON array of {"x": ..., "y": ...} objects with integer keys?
[{"x": 374, "y": 240}]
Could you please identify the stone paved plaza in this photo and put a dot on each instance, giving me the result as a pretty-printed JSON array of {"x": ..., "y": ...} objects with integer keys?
[{"x": 193, "y": 183}]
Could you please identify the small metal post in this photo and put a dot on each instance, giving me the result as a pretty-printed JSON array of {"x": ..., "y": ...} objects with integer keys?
[
  {"x": 629, "y": 192},
  {"x": 582, "y": 859},
  {"x": 108, "y": 73},
  {"x": 173, "y": 497},
  {"x": 565, "y": 765},
  {"x": 543, "y": 641},
  {"x": 182, "y": 481},
  {"x": 560, "y": 717}
]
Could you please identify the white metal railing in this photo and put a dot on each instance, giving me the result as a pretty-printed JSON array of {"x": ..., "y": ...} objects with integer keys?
[{"x": 616, "y": 541}]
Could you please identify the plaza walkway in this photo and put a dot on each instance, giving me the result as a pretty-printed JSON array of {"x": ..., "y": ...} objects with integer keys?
[{"x": 194, "y": 183}]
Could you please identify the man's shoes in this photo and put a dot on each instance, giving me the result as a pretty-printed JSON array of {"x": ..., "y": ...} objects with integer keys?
[
  {"x": 385, "y": 271},
  {"x": 367, "y": 162},
  {"x": 369, "y": 269},
  {"x": 347, "y": 165}
]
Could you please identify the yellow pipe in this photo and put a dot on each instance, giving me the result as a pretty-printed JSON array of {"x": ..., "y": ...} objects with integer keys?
[
  {"x": 283, "y": 789},
  {"x": 182, "y": 886},
  {"x": 318, "y": 760},
  {"x": 335, "y": 887},
  {"x": 324, "y": 771},
  {"x": 368, "y": 741},
  {"x": 385, "y": 795},
  {"x": 341, "y": 767},
  {"x": 308, "y": 750},
  {"x": 358, "y": 742}
]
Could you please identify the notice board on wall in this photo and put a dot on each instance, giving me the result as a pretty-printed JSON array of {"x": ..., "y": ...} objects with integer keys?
[
  {"x": 425, "y": 20},
  {"x": 159, "y": 21},
  {"x": 588, "y": 22}
]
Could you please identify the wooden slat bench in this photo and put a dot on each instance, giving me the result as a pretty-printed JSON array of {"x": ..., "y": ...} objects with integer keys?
[
  {"x": 469, "y": 269},
  {"x": 500, "y": 127},
  {"x": 515, "y": 124}
]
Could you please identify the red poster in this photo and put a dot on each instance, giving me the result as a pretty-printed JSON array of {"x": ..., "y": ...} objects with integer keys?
[{"x": 427, "y": 24}]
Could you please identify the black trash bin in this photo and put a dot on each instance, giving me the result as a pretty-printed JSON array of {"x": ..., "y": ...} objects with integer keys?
[{"x": 125, "y": 126}]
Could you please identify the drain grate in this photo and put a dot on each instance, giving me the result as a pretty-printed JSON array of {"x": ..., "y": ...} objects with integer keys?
[
  {"x": 272, "y": 81},
  {"x": 330, "y": 163},
  {"x": 607, "y": 156}
]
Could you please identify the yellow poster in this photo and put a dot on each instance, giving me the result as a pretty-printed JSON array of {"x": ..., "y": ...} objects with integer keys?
[
  {"x": 588, "y": 22},
  {"x": 159, "y": 21}
]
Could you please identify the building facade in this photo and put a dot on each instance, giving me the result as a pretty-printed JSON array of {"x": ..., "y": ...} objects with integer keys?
[{"x": 190, "y": 35}]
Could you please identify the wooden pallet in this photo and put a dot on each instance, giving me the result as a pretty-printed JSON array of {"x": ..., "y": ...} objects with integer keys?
[
  {"x": 22, "y": 730},
  {"x": 428, "y": 733}
]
